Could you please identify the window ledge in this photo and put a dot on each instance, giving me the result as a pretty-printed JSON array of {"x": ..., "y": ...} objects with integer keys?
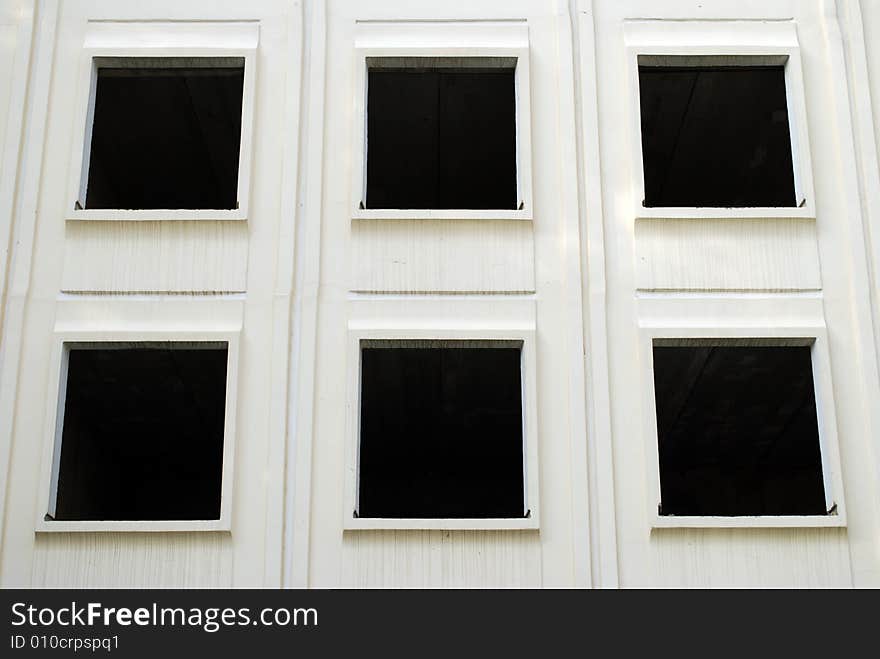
[
  {"x": 481, "y": 524},
  {"x": 113, "y": 215},
  {"x": 444, "y": 214},
  {"x": 781, "y": 521},
  {"x": 114, "y": 526},
  {"x": 711, "y": 213}
]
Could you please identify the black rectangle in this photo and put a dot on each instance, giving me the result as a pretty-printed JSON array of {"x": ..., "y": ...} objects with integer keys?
[
  {"x": 143, "y": 432},
  {"x": 716, "y": 137},
  {"x": 737, "y": 431},
  {"x": 165, "y": 138},
  {"x": 441, "y": 430},
  {"x": 441, "y": 138}
]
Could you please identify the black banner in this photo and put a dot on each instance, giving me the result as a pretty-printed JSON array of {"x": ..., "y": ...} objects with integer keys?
[{"x": 161, "y": 623}]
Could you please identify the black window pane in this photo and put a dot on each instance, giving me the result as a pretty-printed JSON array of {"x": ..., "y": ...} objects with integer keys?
[
  {"x": 143, "y": 434},
  {"x": 716, "y": 137},
  {"x": 441, "y": 138},
  {"x": 441, "y": 432},
  {"x": 737, "y": 431},
  {"x": 166, "y": 138}
]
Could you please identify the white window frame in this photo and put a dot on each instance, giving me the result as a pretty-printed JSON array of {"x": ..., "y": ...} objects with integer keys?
[
  {"x": 447, "y": 40},
  {"x": 745, "y": 43},
  {"x": 55, "y": 426},
  {"x": 420, "y": 320},
  {"x": 810, "y": 334},
  {"x": 150, "y": 40}
]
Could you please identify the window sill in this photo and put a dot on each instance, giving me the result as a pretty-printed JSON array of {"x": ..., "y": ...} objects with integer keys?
[
  {"x": 444, "y": 214},
  {"x": 712, "y": 213},
  {"x": 778, "y": 522},
  {"x": 126, "y": 526},
  {"x": 113, "y": 215},
  {"x": 493, "y": 524}
]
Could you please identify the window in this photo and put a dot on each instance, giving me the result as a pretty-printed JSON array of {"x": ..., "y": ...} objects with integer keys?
[
  {"x": 737, "y": 428},
  {"x": 441, "y": 429},
  {"x": 164, "y": 117},
  {"x": 441, "y": 127},
  {"x": 715, "y": 136},
  {"x": 165, "y": 133},
  {"x": 719, "y": 120},
  {"x": 142, "y": 432},
  {"x": 441, "y": 136}
]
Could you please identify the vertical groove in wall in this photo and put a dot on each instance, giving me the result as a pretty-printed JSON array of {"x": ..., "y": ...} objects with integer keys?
[
  {"x": 861, "y": 21},
  {"x": 602, "y": 528},
  {"x": 855, "y": 282},
  {"x": 307, "y": 269},
  {"x": 36, "y": 99}
]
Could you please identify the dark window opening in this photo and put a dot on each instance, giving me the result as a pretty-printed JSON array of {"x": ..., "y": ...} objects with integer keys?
[
  {"x": 166, "y": 137},
  {"x": 441, "y": 139},
  {"x": 143, "y": 432},
  {"x": 737, "y": 431},
  {"x": 716, "y": 137},
  {"x": 441, "y": 430}
]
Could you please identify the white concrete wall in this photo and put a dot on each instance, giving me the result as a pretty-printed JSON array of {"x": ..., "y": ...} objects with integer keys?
[
  {"x": 16, "y": 25},
  {"x": 179, "y": 276},
  {"x": 300, "y": 276},
  {"x": 860, "y": 30}
]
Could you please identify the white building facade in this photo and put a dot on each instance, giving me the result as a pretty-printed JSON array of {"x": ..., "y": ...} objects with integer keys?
[{"x": 581, "y": 274}]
